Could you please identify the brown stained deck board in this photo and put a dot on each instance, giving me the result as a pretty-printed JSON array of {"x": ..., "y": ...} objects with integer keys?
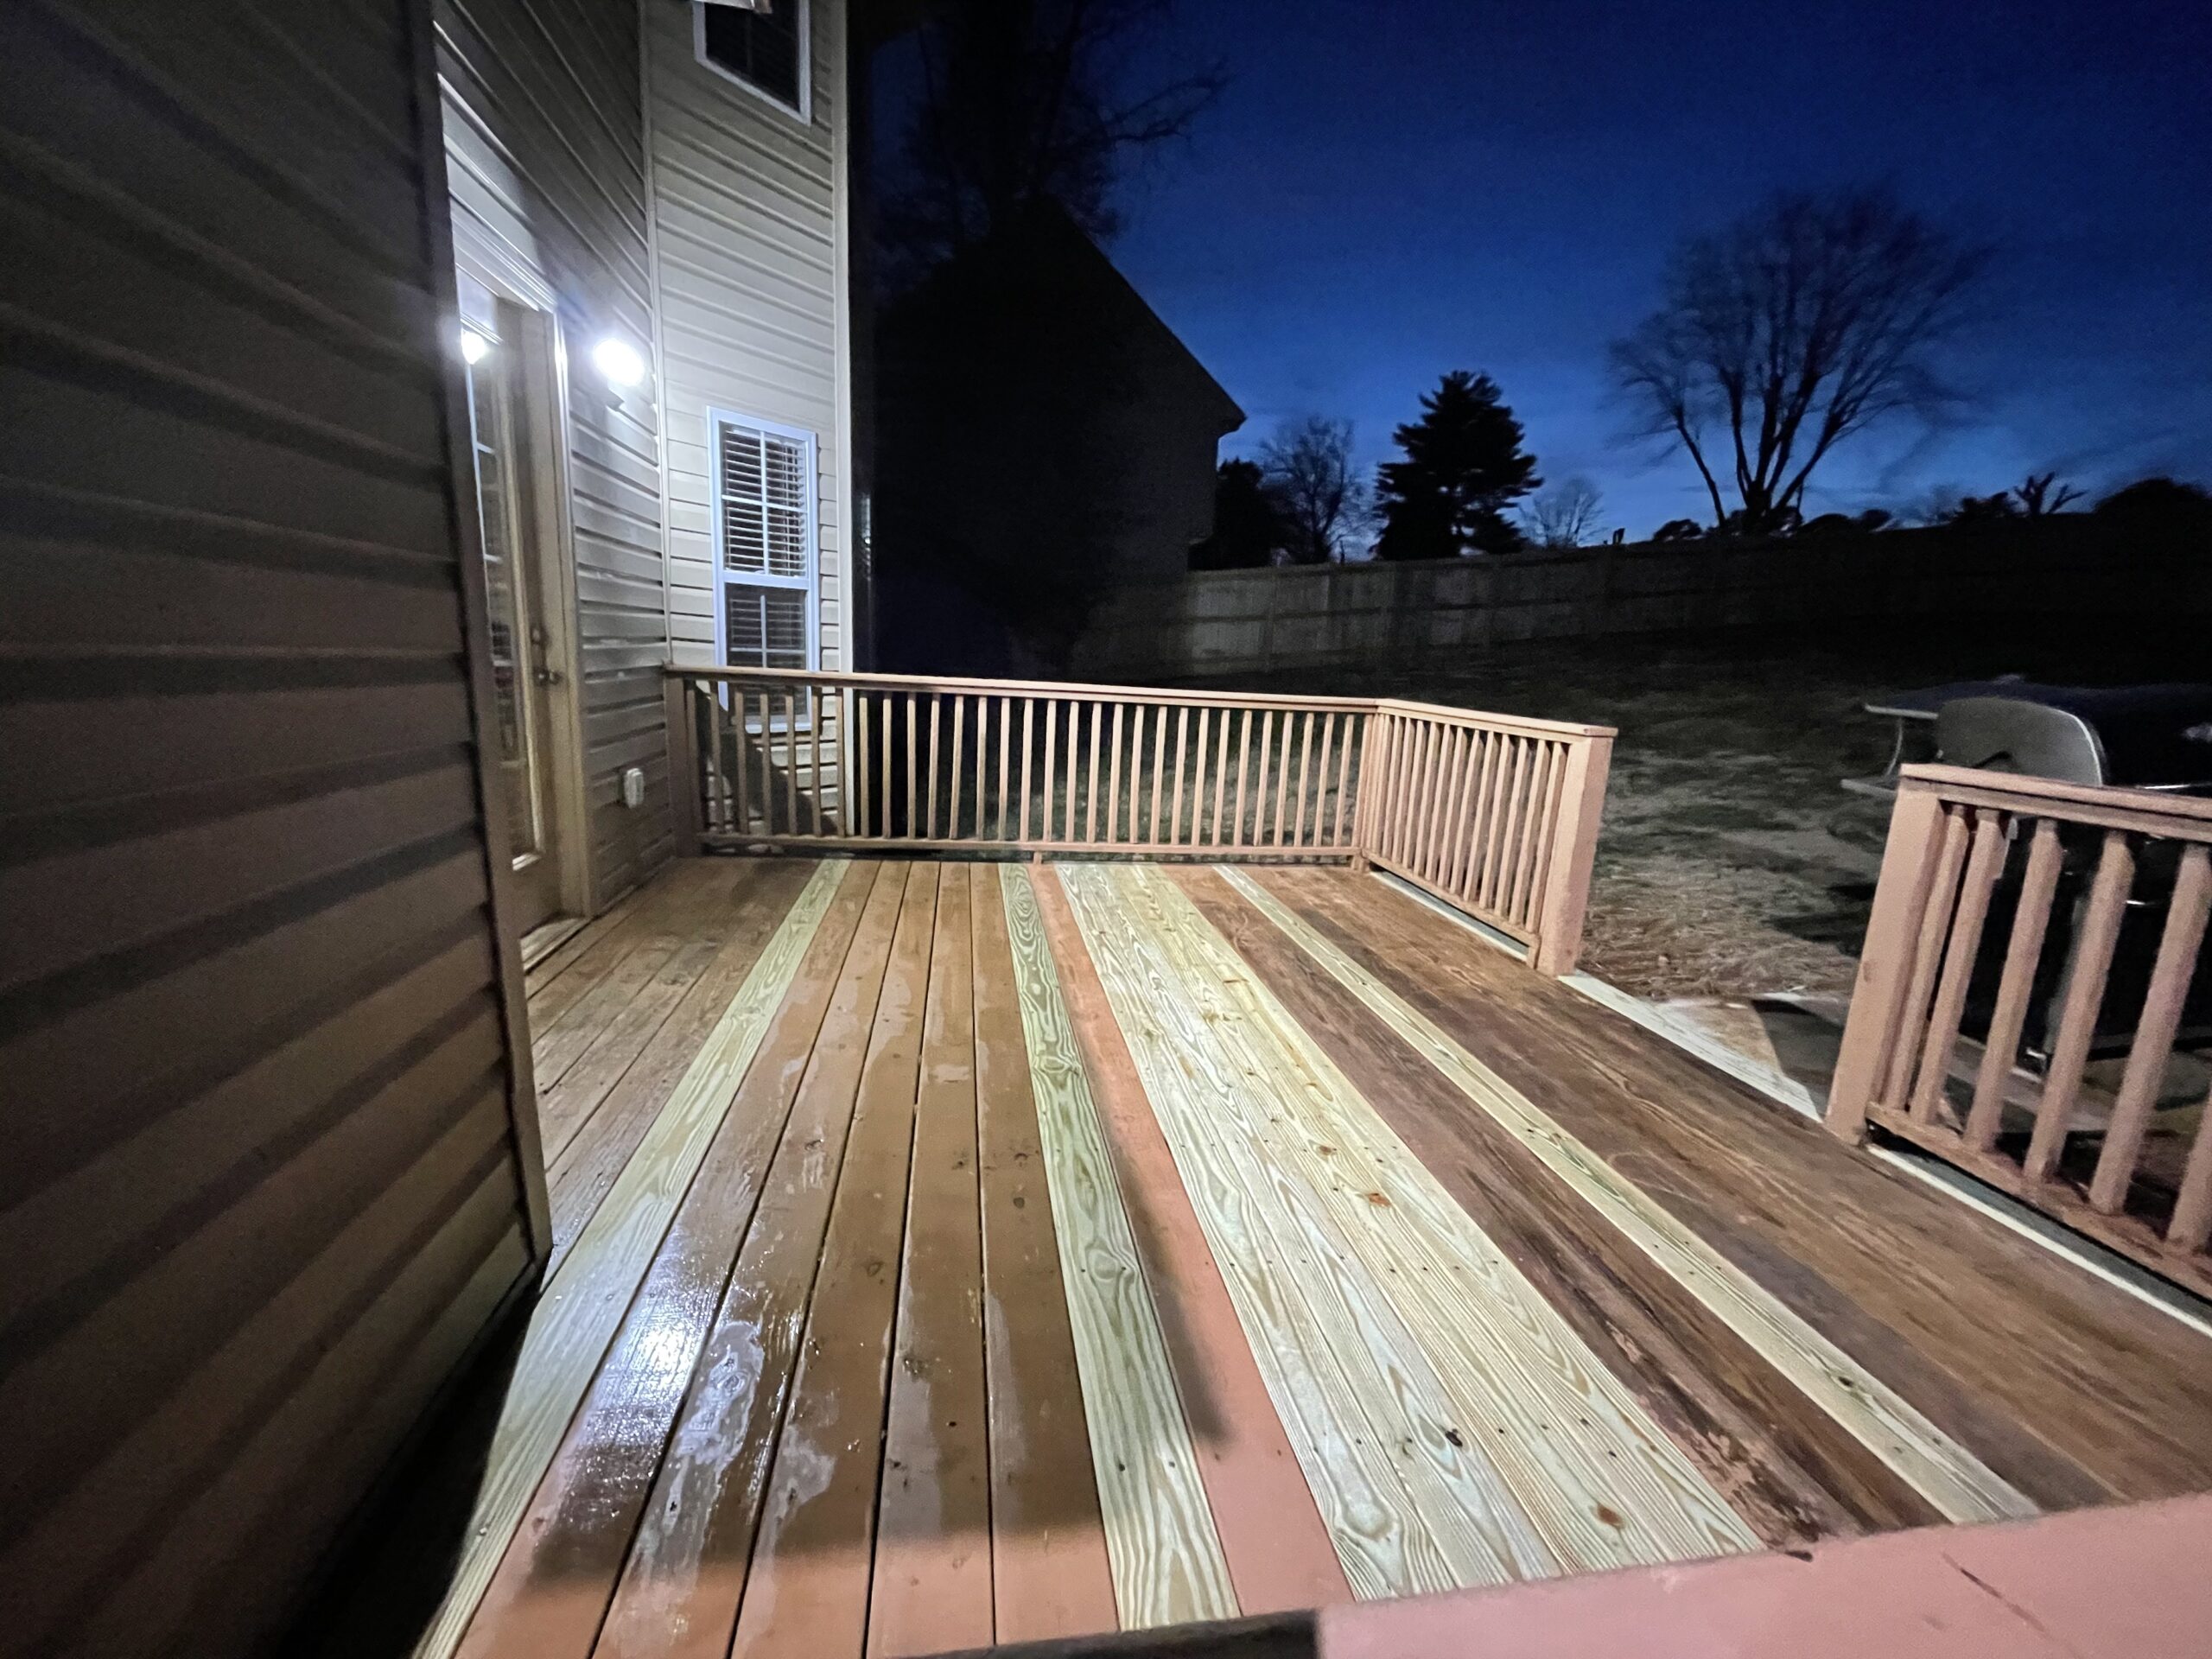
[
  {"x": 566, "y": 1104},
  {"x": 581, "y": 1177},
  {"x": 1783, "y": 1463},
  {"x": 559, "y": 1041},
  {"x": 557, "y": 1579},
  {"x": 569, "y": 975},
  {"x": 1050, "y": 1574},
  {"x": 1278, "y": 1551},
  {"x": 684, "y": 1573},
  {"x": 1880, "y": 1265},
  {"x": 806, "y": 1594},
  {"x": 931, "y": 1588}
]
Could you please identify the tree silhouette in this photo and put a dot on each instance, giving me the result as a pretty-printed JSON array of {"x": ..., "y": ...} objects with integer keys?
[
  {"x": 1308, "y": 469},
  {"x": 1566, "y": 514},
  {"x": 1023, "y": 100},
  {"x": 2038, "y": 499},
  {"x": 1811, "y": 318},
  {"x": 1249, "y": 527},
  {"x": 1464, "y": 468}
]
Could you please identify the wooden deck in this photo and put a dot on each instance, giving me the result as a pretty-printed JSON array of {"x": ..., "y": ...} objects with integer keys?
[{"x": 961, "y": 1253}]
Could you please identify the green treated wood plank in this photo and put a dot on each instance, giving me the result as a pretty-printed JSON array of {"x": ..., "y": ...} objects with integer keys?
[{"x": 1167, "y": 1562}]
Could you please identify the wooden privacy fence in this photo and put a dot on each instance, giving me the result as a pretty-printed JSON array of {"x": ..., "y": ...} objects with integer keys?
[
  {"x": 2032, "y": 965},
  {"x": 1495, "y": 815}
]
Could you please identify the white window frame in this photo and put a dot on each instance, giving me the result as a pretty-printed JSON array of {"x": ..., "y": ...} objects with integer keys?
[
  {"x": 810, "y": 582},
  {"x": 804, "y": 113}
]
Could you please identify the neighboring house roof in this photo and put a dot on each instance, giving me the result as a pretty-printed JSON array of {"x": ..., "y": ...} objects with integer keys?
[{"x": 1052, "y": 251}]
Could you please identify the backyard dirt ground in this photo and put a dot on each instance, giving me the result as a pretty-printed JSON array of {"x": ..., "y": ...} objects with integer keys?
[{"x": 1733, "y": 864}]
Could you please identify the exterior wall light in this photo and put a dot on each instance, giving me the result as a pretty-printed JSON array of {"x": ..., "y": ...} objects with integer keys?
[
  {"x": 618, "y": 362},
  {"x": 472, "y": 345}
]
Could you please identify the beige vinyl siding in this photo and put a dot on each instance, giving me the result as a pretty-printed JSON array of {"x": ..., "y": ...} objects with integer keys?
[
  {"x": 262, "y": 1187},
  {"x": 545, "y": 138},
  {"x": 750, "y": 281}
]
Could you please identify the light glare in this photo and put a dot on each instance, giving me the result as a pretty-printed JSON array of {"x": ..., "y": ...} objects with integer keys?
[
  {"x": 618, "y": 360},
  {"x": 472, "y": 345}
]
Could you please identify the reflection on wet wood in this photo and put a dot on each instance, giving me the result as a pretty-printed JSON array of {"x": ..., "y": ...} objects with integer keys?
[
  {"x": 807, "y": 1593},
  {"x": 585, "y": 1300},
  {"x": 932, "y": 1585}
]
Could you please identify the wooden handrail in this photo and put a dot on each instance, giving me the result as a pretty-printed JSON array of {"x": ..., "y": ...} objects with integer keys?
[
  {"x": 2010, "y": 921},
  {"x": 1496, "y": 815}
]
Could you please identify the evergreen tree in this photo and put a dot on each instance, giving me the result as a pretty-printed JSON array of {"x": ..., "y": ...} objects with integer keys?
[
  {"x": 1249, "y": 527},
  {"x": 1464, "y": 468}
]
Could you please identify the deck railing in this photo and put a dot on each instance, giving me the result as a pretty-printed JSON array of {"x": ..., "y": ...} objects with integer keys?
[
  {"x": 1496, "y": 815},
  {"x": 2032, "y": 941}
]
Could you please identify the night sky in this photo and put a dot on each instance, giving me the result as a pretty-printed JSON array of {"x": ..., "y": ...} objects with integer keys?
[{"x": 1388, "y": 191}]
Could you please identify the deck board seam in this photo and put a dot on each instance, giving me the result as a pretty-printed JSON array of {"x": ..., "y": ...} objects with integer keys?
[{"x": 1946, "y": 1474}]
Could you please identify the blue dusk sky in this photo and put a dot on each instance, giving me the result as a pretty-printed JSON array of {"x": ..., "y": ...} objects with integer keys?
[{"x": 1388, "y": 191}]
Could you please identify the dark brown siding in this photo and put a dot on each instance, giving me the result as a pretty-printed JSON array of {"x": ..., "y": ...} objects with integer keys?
[
  {"x": 545, "y": 138},
  {"x": 261, "y": 1186}
]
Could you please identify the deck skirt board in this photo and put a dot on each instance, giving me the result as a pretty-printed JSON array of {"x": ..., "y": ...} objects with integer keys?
[
  {"x": 583, "y": 1303},
  {"x": 1951, "y": 1478},
  {"x": 1167, "y": 1562},
  {"x": 1495, "y": 1404}
]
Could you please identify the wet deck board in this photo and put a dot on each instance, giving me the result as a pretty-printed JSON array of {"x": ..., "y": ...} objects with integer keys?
[{"x": 960, "y": 1261}]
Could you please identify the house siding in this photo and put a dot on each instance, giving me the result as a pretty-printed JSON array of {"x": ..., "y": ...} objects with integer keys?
[
  {"x": 751, "y": 276},
  {"x": 264, "y": 1185},
  {"x": 545, "y": 141}
]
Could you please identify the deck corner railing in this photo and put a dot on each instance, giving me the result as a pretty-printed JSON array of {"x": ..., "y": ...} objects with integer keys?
[
  {"x": 1495, "y": 815},
  {"x": 2031, "y": 964}
]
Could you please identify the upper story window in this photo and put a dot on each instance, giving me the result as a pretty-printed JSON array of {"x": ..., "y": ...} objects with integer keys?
[
  {"x": 766, "y": 536},
  {"x": 764, "y": 50}
]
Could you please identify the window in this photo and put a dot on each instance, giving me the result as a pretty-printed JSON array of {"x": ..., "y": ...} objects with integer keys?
[
  {"x": 765, "y": 51},
  {"x": 765, "y": 532}
]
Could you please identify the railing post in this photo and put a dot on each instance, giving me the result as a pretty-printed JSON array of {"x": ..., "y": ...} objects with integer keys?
[
  {"x": 685, "y": 785},
  {"x": 1885, "y": 963},
  {"x": 1573, "y": 851}
]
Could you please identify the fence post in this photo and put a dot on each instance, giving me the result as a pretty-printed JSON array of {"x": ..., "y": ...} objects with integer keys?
[
  {"x": 1575, "y": 850},
  {"x": 683, "y": 782},
  {"x": 1886, "y": 962}
]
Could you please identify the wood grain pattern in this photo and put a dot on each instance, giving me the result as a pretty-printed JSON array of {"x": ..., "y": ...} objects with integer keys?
[
  {"x": 1409, "y": 1507},
  {"x": 554, "y": 1586},
  {"x": 1168, "y": 1567},
  {"x": 1280, "y": 1554},
  {"x": 807, "y": 1591},
  {"x": 1050, "y": 1572},
  {"x": 931, "y": 1588},
  {"x": 681, "y": 1585},
  {"x": 583, "y": 1303},
  {"x": 1785, "y": 1466},
  {"x": 1957, "y": 1483},
  {"x": 1596, "y": 1478}
]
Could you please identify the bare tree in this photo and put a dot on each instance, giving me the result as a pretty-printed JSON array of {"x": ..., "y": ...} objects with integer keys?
[
  {"x": 2038, "y": 499},
  {"x": 1029, "y": 101},
  {"x": 1564, "y": 515},
  {"x": 1805, "y": 322},
  {"x": 1308, "y": 471}
]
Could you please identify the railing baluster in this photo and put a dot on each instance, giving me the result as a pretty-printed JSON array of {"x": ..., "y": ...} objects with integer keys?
[
  {"x": 1243, "y": 761},
  {"x": 929, "y": 784},
  {"x": 2085, "y": 992},
  {"x": 1028, "y": 732},
  {"x": 1160, "y": 761},
  {"x": 1114, "y": 782},
  {"x": 741, "y": 812},
  {"x": 791, "y": 761},
  {"x": 1550, "y": 830},
  {"x": 2154, "y": 1034},
  {"x": 2030, "y": 921},
  {"x": 1504, "y": 787},
  {"x": 1340, "y": 832},
  {"x": 817, "y": 716},
  {"x": 1305, "y": 781},
  {"x": 883, "y": 758},
  {"x": 959, "y": 734},
  {"x": 1463, "y": 815},
  {"x": 1182, "y": 753},
  {"x": 1934, "y": 924},
  {"x": 1983, "y": 867},
  {"x": 1091, "y": 795},
  {"x": 1532, "y": 815},
  {"x": 2191, "y": 1227},
  {"x": 1006, "y": 749}
]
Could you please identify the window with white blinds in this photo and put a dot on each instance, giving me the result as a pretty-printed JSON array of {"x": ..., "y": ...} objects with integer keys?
[{"x": 764, "y": 533}]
